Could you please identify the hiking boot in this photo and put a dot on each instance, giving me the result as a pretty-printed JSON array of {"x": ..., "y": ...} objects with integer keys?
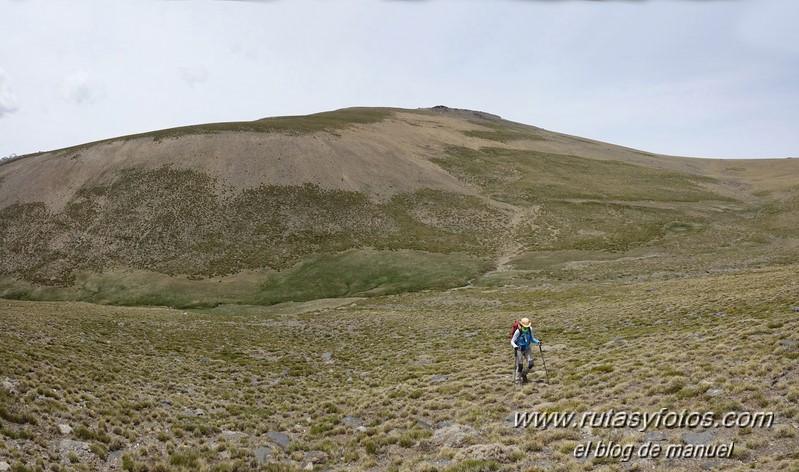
[
  {"x": 525, "y": 379},
  {"x": 517, "y": 381}
]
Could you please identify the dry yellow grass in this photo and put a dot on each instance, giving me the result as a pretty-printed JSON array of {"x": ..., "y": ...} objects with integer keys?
[{"x": 426, "y": 377}]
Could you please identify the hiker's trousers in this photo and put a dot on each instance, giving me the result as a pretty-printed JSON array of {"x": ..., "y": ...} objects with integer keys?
[{"x": 522, "y": 355}]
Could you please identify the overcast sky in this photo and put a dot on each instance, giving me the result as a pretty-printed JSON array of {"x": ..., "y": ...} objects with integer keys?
[{"x": 707, "y": 78}]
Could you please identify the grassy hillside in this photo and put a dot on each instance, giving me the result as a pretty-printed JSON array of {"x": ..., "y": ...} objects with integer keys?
[
  {"x": 172, "y": 222},
  {"x": 331, "y": 122},
  {"x": 370, "y": 201}
]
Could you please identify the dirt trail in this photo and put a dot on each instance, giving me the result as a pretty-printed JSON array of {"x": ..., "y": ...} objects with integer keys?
[{"x": 512, "y": 248}]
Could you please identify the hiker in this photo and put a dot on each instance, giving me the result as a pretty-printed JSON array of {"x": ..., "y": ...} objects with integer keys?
[{"x": 521, "y": 341}]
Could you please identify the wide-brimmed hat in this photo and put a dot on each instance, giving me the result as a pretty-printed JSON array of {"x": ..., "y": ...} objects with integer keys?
[{"x": 525, "y": 322}]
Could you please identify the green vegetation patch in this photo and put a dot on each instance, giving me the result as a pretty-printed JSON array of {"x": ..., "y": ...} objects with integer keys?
[
  {"x": 525, "y": 177},
  {"x": 780, "y": 216},
  {"x": 598, "y": 226},
  {"x": 502, "y": 133},
  {"x": 368, "y": 273},
  {"x": 350, "y": 273},
  {"x": 681, "y": 227},
  {"x": 330, "y": 122}
]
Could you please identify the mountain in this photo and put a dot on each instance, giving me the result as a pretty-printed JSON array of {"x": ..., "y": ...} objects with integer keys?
[{"x": 367, "y": 201}]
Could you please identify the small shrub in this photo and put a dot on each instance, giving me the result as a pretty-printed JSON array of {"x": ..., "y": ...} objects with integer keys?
[
  {"x": 127, "y": 463},
  {"x": 186, "y": 459},
  {"x": 370, "y": 447},
  {"x": 99, "y": 450},
  {"x": 602, "y": 369}
]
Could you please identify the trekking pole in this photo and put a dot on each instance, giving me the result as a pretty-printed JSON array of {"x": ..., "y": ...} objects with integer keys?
[{"x": 541, "y": 350}]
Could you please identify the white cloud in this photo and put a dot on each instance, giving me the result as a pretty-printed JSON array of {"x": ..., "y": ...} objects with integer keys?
[
  {"x": 194, "y": 75},
  {"x": 80, "y": 88},
  {"x": 8, "y": 102}
]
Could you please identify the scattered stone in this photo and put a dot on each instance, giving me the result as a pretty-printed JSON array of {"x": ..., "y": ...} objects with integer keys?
[
  {"x": 199, "y": 412},
  {"x": 4, "y": 466},
  {"x": 439, "y": 378},
  {"x": 714, "y": 392},
  {"x": 281, "y": 439},
  {"x": 114, "y": 456},
  {"x": 361, "y": 429},
  {"x": 352, "y": 421},
  {"x": 444, "y": 424},
  {"x": 9, "y": 385},
  {"x": 424, "y": 424},
  {"x": 470, "y": 334},
  {"x": 327, "y": 357},
  {"x": 487, "y": 452},
  {"x": 587, "y": 434},
  {"x": 205, "y": 360},
  {"x": 436, "y": 464},
  {"x": 703, "y": 438},
  {"x": 423, "y": 360},
  {"x": 263, "y": 454},
  {"x": 68, "y": 445},
  {"x": 453, "y": 436},
  {"x": 166, "y": 405},
  {"x": 788, "y": 343},
  {"x": 655, "y": 436},
  {"x": 540, "y": 465},
  {"x": 795, "y": 308},
  {"x": 777, "y": 379},
  {"x": 511, "y": 420},
  {"x": 710, "y": 465},
  {"x": 65, "y": 429},
  {"x": 315, "y": 457},
  {"x": 233, "y": 435}
]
